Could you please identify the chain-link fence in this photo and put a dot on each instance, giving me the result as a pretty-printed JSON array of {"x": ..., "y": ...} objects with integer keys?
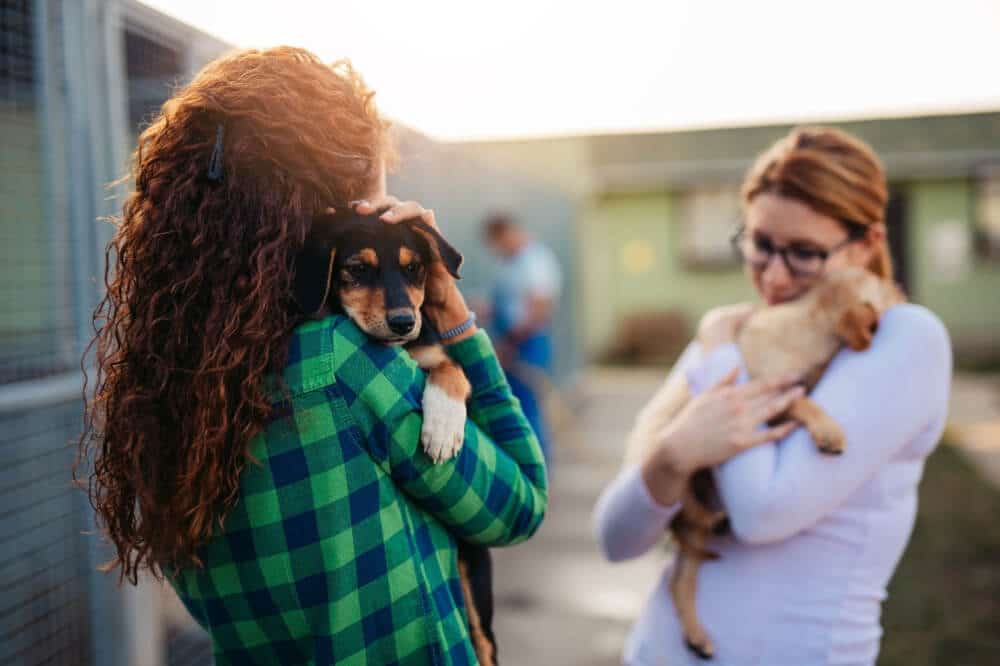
[
  {"x": 76, "y": 80},
  {"x": 44, "y": 584},
  {"x": 37, "y": 331}
]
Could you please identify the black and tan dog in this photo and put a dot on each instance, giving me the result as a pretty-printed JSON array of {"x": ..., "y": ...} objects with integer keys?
[{"x": 376, "y": 274}]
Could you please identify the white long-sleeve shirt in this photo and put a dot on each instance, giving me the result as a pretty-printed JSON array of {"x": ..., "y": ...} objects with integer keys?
[{"x": 815, "y": 538}]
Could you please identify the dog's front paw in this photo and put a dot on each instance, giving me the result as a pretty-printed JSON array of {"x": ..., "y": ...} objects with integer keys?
[
  {"x": 828, "y": 436},
  {"x": 699, "y": 643},
  {"x": 444, "y": 424}
]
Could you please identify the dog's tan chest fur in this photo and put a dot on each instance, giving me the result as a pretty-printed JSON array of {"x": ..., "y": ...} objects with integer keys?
[{"x": 786, "y": 340}]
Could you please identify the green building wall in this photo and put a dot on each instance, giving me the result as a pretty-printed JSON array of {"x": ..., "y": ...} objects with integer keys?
[
  {"x": 616, "y": 229},
  {"x": 25, "y": 254},
  {"x": 967, "y": 300},
  {"x": 646, "y": 226}
]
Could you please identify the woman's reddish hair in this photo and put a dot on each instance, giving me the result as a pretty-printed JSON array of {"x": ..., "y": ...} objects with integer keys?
[
  {"x": 830, "y": 171},
  {"x": 197, "y": 311}
]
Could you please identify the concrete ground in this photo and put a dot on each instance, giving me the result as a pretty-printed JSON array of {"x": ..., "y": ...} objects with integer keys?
[
  {"x": 558, "y": 600},
  {"x": 975, "y": 422}
]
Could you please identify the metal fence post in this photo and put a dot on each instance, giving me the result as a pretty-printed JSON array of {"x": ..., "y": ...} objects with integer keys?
[{"x": 88, "y": 136}]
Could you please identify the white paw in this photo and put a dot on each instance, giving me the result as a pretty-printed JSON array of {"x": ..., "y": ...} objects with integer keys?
[{"x": 444, "y": 424}]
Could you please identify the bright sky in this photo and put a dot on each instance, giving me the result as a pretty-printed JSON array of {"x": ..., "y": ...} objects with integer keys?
[{"x": 473, "y": 69}]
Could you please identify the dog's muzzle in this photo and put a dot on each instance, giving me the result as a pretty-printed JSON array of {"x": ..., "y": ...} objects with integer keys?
[{"x": 401, "y": 323}]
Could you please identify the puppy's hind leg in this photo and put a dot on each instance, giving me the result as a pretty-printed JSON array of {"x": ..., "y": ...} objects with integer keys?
[
  {"x": 683, "y": 588},
  {"x": 696, "y": 512},
  {"x": 480, "y": 631}
]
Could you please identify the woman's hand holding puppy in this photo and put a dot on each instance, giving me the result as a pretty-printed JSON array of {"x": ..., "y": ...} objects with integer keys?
[{"x": 713, "y": 427}]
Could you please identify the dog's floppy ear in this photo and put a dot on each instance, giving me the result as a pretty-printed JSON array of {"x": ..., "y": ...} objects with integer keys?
[
  {"x": 857, "y": 326},
  {"x": 313, "y": 272},
  {"x": 441, "y": 250},
  {"x": 314, "y": 264}
]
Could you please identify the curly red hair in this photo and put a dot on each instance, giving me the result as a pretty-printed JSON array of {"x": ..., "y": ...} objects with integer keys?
[{"x": 198, "y": 311}]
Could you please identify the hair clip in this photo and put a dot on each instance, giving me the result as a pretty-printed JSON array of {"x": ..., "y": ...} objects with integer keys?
[{"x": 215, "y": 164}]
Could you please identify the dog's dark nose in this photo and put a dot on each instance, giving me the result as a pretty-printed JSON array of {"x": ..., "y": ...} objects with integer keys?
[{"x": 401, "y": 323}]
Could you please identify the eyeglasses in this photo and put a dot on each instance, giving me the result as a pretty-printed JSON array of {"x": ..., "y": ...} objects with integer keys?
[{"x": 801, "y": 259}]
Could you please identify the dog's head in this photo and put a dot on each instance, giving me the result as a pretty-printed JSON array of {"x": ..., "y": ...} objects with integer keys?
[
  {"x": 856, "y": 298},
  {"x": 375, "y": 272}
]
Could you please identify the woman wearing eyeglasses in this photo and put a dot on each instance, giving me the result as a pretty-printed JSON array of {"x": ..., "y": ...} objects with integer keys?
[{"x": 814, "y": 539}]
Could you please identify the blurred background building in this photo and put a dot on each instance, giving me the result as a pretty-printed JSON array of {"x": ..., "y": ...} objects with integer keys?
[
  {"x": 640, "y": 222},
  {"x": 655, "y": 212}
]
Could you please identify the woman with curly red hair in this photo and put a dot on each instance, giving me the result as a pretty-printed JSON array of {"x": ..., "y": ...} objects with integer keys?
[{"x": 267, "y": 465}]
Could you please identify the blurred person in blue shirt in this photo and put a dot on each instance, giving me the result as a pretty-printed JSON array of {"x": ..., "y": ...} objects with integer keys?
[{"x": 524, "y": 292}]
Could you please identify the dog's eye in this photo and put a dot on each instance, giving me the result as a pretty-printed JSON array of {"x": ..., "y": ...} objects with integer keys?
[
  {"x": 358, "y": 270},
  {"x": 412, "y": 269}
]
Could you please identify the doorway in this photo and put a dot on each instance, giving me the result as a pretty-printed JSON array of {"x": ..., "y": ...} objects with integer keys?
[{"x": 896, "y": 229}]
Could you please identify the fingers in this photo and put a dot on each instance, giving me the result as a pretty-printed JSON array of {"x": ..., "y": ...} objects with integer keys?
[
  {"x": 369, "y": 206},
  {"x": 403, "y": 211},
  {"x": 772, "y": 434},
  {"x": 428, "y": 217},
  {"x": 767, "y": 407},
  {"x": 728, "y": 379},
  {"x": 760, "y": 387},
  {"x": 397, "y": 210}
]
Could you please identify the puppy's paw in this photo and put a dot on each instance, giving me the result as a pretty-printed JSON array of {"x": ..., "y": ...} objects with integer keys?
[
  {"x": 828, "y": 436},
  {"x": 444, "y": 424},
  {"x": 699, "y": 643},
  {"x": 721, "y": 526}
]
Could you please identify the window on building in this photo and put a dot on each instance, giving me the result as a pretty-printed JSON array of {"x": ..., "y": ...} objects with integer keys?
[
  {"x": 987, "y": 214},
  {"x": 708, "y": 219}
]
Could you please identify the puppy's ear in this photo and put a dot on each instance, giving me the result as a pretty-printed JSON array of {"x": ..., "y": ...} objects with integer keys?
[
  {"x": 313, "y": 274},
  {"x": 314, "y": 264},
  {"x": 857, "y": 326},
  {"x": 441, "y": 250}
]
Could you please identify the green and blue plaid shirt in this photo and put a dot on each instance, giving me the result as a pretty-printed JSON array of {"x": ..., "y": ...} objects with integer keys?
[{"x": 341, "y": 548}]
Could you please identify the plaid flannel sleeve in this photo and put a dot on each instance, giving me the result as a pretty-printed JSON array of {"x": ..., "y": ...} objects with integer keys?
[{"x": 494, "y": 491}]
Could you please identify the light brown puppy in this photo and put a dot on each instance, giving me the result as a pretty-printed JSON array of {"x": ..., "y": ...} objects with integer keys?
[{"x": 799, "y": 339}]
